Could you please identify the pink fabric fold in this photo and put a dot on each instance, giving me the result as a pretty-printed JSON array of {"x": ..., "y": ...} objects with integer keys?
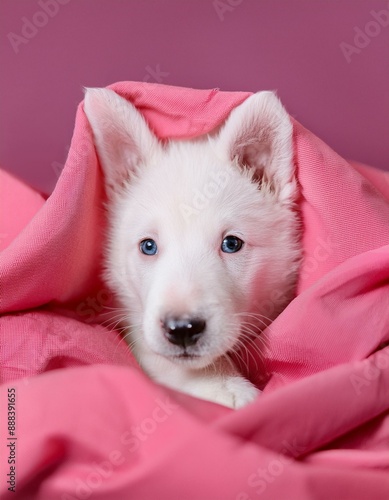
[{"x": 90, "y": 424}]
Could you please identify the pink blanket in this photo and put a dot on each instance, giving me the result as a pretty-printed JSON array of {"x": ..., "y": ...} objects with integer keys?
[{"x": 90, "y": 424}]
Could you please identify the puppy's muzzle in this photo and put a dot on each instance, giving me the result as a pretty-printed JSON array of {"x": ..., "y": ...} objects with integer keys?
[{"x": 183, "y": 332}]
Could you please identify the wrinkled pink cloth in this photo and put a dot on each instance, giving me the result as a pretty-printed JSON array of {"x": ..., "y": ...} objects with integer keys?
[{"x": 90, "y": 424}]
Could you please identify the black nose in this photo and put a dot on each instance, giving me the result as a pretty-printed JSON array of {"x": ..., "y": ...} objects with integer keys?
[{"x": 183, "y": 331}]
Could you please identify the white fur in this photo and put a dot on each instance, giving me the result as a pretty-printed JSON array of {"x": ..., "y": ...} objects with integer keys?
[{"x": 188, "y": 196}]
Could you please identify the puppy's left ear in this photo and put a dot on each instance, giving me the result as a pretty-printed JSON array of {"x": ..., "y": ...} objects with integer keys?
[
  {"x": 122, "y": 137},
  {"x": 258, "y": 135}
]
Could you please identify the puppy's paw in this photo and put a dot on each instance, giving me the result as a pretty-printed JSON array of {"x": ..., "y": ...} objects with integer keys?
[
  {"x": 239, "y": 392},
  {"x": 232, "y": 391}
]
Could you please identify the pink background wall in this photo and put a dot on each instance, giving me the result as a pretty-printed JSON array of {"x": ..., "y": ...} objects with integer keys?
[{"x": 294, "y": 46}]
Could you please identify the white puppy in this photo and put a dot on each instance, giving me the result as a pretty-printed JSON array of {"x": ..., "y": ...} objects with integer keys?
[{"x": 202, "y": 233}]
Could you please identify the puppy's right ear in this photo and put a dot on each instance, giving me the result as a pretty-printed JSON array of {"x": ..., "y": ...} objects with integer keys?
[{"x": 122, "y": 137}]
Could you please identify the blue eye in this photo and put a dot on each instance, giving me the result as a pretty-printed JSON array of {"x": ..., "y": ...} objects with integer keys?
[
  {"x": 231, "y": 244},
  {"x": 148, "y": 247}
]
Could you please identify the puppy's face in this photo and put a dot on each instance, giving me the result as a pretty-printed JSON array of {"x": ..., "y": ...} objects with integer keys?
[{"x": 201, "y": 231}]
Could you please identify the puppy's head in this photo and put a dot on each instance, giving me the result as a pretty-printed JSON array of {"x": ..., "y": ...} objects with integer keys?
[{"x": 203, "y": 232}]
